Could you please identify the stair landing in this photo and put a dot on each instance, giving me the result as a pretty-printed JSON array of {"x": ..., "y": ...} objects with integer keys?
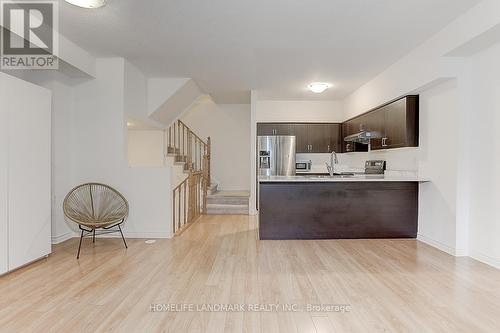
[{"x": 228, "y": 203}]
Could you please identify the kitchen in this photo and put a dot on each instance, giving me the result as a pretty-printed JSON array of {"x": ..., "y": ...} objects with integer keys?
[{"x": 299, "y": 198}]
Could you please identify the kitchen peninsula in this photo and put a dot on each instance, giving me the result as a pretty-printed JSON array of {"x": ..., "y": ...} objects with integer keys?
[
  {"x": 324, "y": 207},
  {"x": 294, "y": 202}
]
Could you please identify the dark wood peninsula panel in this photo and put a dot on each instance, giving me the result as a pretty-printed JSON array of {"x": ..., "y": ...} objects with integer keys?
[{"x": 336, "y": 210}]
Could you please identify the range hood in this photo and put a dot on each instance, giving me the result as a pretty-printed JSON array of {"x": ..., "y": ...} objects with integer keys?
[{"x": 363, "y": 137}]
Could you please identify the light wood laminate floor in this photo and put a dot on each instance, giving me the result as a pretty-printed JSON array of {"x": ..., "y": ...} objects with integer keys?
[{"x": 390, "y": 285}]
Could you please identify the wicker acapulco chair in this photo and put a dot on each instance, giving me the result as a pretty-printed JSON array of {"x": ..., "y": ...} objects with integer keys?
[{"x": 96, "y": 206}]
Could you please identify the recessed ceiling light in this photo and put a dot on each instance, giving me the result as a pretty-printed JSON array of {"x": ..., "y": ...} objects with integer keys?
[
  {"x": 87, "y": 3},
  {"x": 318, "y": 87}
]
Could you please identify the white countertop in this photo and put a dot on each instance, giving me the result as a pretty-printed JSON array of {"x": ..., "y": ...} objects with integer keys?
[{"x": 355, "y": 178}]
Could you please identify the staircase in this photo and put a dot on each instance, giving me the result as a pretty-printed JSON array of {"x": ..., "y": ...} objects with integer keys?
[
  {"x": 192, "y": 155},
  {"x": 227, "y": 203}
]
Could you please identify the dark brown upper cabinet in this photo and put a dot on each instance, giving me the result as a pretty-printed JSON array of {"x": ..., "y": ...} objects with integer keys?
[
  {"x": 350, "y": 127},
  {"x": 395, "y": 123},
  {"x": 398, "y": 124},
  {"x": 335, "y": 138},
  {"x": 301, "y": 133},
  {"x": 317, "y": 138},
  {"x": 274, "y": 129},
  {"x": 310, "y": 137}
]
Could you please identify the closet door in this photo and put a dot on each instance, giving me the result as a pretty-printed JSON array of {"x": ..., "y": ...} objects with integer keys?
[
  {"x": 29, "y": 208},
  {"x": 4, "y": 254}
]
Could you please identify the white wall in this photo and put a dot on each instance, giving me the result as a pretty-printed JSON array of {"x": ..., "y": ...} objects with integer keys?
[
  {"x": 4, "y": 177},
  {"x": 298, "y": 111},
  {"x": 484, "y": 224},
  {"x": 136, "y": 96},
  {"x": 400, "y": 160},
  {"x": 437, "y": 161},
  {"x": 145, "y": 148},
  {"x": 89, "y": 143},
  {"x": 62, "y": 149},
  {"x": 228, "y": 126},
  {"x": 99, "y": 145},
  {"x": 459, "y": 107},
  {"x": 161, "y": 89}
]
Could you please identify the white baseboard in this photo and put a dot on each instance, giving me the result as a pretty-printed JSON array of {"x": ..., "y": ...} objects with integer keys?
[
  {"x": 138, "y": 234},
  {"x": 437, "y": 244},
  {"x": 62, "y": 238},
  {"x": 132, "y": 235},
  {"x": 486, "y": 259}
]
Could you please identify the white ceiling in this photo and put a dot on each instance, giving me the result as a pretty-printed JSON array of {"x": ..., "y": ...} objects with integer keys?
[{"x": 274, "y": 46}]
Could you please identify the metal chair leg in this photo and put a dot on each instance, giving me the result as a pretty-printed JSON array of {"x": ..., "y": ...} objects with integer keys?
[
  {"x": 79, "y": 246},
  {"x": 120, "y": 228},
  {"x": 93, "y": 236}
]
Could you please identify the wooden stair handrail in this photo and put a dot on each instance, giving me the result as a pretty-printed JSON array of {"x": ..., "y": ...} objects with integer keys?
[{"x": 189, "y": 199}]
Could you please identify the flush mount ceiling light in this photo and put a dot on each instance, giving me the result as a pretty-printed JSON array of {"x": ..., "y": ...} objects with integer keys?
[
  {"x": 318, "y": 87},
  {"x": 87, "y": 3}
]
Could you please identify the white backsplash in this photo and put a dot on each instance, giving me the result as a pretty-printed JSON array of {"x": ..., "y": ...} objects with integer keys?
[{"x": 402, "y": 160}]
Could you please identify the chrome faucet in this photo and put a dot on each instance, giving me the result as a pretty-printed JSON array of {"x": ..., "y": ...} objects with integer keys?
[{"x": 333, "y": 161}]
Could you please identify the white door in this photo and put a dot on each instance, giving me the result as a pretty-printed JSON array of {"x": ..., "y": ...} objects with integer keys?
[
  {"x": 4, "y": 151},
  {"x": 29, "y": 159}
]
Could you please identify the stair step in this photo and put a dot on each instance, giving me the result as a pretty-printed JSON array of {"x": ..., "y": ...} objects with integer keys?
[
  {"x": 218, "y": 200},
  {"x": 180, "y": 158},
  {"x": 173, "y": 150},
  {"x": 219, "y": 209}
]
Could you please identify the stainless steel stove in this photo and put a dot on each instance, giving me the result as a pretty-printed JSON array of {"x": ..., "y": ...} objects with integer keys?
[{"x": 375, "y": 167}]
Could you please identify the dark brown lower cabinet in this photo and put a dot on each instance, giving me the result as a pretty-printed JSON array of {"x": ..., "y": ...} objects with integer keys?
[{"x": 334, "y": 210}]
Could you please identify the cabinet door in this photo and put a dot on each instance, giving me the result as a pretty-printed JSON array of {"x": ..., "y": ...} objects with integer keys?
[
  {"x": 300, "y": 131},
  {"x": 29, "y": 173},
  {"x": 335, "y": 138},
  {"x": 4, "y": 138},
  {"x": 319, "y": 138},
  {"x": 265, "y": 129},
  {"x": 375, "y": 123},
  {"x": 282, "y": 129},
  {"x": 353, "y": 126},
  {"x": 395, "y": 125},
  {"x": 273, "y": 129},
  {"x": 348, "y": 128}
]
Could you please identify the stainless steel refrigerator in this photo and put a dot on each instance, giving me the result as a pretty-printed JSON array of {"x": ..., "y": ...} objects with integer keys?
[{"x": 276, "y": 155}]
